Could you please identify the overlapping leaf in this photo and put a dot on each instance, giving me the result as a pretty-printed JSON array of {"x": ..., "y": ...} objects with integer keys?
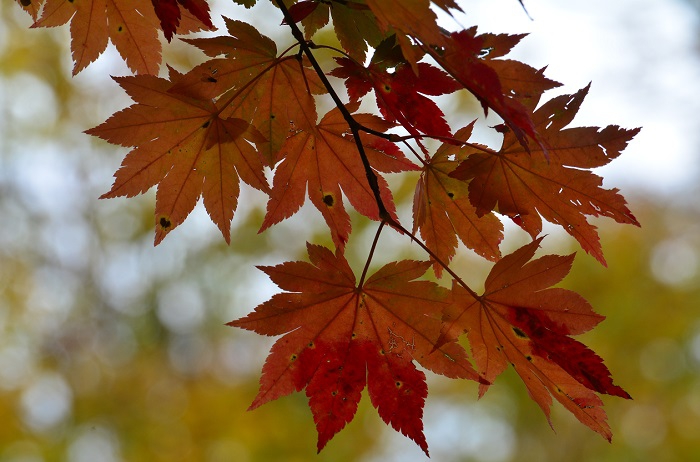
[
  {"x": 185, "y": 147},
  {"x": 522, "y": 321},
  {"x": 257, "y": 86},
  {"x": 468, "y": 58},
  {"x": 400, "y": 93},
  {"x": 340, "y": 337},
  {"x": 131, "y": 26},
  {"x": 353, "y": 23},
  {"x": 325, "y": 157},
  {"x": 442, "y": 210},
  {"x": 557, "y": 186},
  {"x": 169, "y": 14}
]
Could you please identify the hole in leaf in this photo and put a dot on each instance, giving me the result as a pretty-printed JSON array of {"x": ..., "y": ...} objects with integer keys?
[
  {"x": 328, "y": 200},
  {"x": 164, "y": 223},
  {"x": 519, "y": 333}
]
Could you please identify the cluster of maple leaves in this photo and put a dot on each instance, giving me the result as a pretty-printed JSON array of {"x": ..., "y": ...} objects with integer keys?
[{"x": 251, "y": 108}]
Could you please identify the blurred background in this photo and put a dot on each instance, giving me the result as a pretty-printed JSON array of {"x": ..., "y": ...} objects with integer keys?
[{"x": 113, "y": 350}]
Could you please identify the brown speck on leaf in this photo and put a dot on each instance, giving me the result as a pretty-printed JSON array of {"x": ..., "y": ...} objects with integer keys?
[{"x": 164, "y": 223}]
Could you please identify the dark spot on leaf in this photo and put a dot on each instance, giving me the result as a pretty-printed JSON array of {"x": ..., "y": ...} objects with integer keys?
[
  {"x": 120, "y": 28},
  {"x": 451, "y": 194},
  {"x": 519, "y": 333},
  {"x": 164, "y": 223},
  {"x": 311, "y": 344},
  {"x": 272, "y": 116},
  {"x": 334, "y": 392},
  {"x": 26, "y": 2},
  {"x": 206, "y": 124},
  {"x": 398, "y": 384},
  {"x": 328, "y": 200},
  {"x": 381, "y": 352},
  {"x": 293, "y": 358},
  {"x": 387, "y": 88},
  {"x": 529, "y": 358},
  {"x": 211, "y": 79},
  {"x": 354, "y": 335}
]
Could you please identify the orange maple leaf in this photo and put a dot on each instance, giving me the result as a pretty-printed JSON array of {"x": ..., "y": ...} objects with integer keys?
[
  {"x": 522, "y": 321},
  {"x": 325, "y": 156},
  {"x": 442, "y": 210},
  {"x": 340, "y": 337},
  {"x": 269, "y": 91},
  {"x": 559, "y": 187},
  {"x": 131, "y": 26},
  {"x": 184, "y": 146}
]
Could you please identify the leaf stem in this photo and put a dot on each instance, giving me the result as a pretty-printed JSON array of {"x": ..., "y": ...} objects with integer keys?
[
  {"x": 371, "y": 254},
  {"x": 355, "y": 127}
]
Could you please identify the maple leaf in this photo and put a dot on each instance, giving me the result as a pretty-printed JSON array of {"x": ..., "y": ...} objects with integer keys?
[
  {"x": 301, "y": 10},
  {"x": 32, "y": 7},
  {"x": 325, "y": 156},
  {"x": 340, "y": 336},
  {"x": 442, "y": 210},
  {"x": 168, "y": 12},
  {"x": 185, "y": 147},
  {"x": 560, "y": 188},
  {"x": 131, "y": 26},
  {"x": 413, "y": 18},
  {"x": 522, "y": 321},
  {"x": 400, "y": 94},
  {"x": 353, "y": 23},
  {"x": 258, "y": 86},
  {"x": 469, "y": 58}
]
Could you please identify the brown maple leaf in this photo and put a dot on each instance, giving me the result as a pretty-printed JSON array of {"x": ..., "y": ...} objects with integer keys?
[
  {"x": 558, "y": 186},
  {"x": 522, "y": 321},
  {"x": 340, "y": 336},
  {"x": 442, "y": 210},
  {"x": 325, "y": 156},
  {"x": 185, "y": 147}
]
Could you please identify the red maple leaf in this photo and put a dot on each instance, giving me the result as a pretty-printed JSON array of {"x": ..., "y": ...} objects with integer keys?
[
  {"x": 442, "y": 210},
  {"x": 185, "y": 147},
  {"x": 168, "y": 12},
  {"x": 340, "y": 336},
  {"x": 522, "y": 321},
  {"x": 469, "y": 58},
  {"x": 557, "y": 186},
  {"x": 325, "y": 157},
  {"x": 400, "y": 93}
]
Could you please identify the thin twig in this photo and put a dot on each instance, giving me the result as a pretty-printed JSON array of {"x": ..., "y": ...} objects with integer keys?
[
  {"x": 352, "y": 123},
  {"x": 371, "y": 254}
]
